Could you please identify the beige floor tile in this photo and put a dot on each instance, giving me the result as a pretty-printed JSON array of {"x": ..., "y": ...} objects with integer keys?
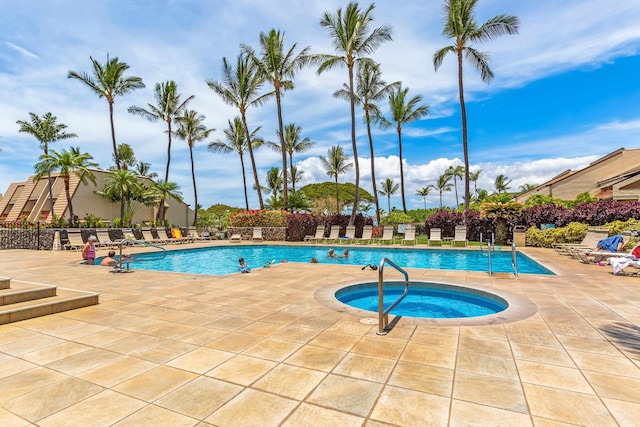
[
  {"x": 165, "y": 351},
  {"x": 152, "y": 415},
  {"x": 241, "y": 369},
  {"x": 312, "y": 357},
  {"x": 485, "y": 364},
  {"x": 536, "y": 353},
  {"x": 615, "y": 386},
  {"x": 370, "y": 368},
  {"x": 104, "y": 337},
  {"x": 544, "y": 422},
  {"x": 554, "y": 376},
  {"x": 375, "y": 346},
  {"x": 290, "y": 381},
  {"x": 117, "y": 371},
  {"x": 335, "y": 340},
  {"x": 467, "y": 414},
  {"x": 55, "y": 352},
  {"x": 253, "y": 408},
  {"x": 490, "y": 332},
  {"x": 261, "y": 329},
  {"x": 346, "y": 394},
  {"x": 348, "y": 326},
  {"x": 437, "y": 339},
  {"x": 29, "y": 345},
  {"x": 282, "y": 318},
  {"x": 11, "y": 334},
  {"x": 9, "y": 419},
  {"x": 78, "y": 363},
  {"x": 436, "y": 356},
  {"x": 525, "y": 336},
  {"x": 51, "y": 398},
  {"x": 201, "y": 336},
  {"x": 567, "y": 406},
  {"x": 134, "y": 344},
  {"x": 295, "y": 334},
  {"x": 200, "y": 397},
  {"x": 313, "y": 416},
  {"x": 588, "y": 345},
  {"x": 171, "y": 330},
  {"x": 200, "y": 360},
  {"x": 10, "y": 365},
  {"x": 81, "y": 330},
  {"x": 425, "y": 378},
  {"x": 230, "y": 323},
  {"x": 91, "y": 412},
  {"x": 485, "y": 346},
  {"x": 398, "y": 406},
  {"x": 234, "y": 342},
  {"x": 625, "y": 413},
  {"x": 272, "y": 349},
  {"x": 27, "y": 381},
  {"x": 605, "y": 364},
  {"x": 155, "y": 383},
  {"x": 490, "y": 391}
]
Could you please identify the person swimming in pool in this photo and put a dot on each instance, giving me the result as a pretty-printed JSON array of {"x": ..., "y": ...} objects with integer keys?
[
  {"x": 242, "y": 265},
  {"x": 345, "y": 254},
  {"x": 332, "y": 253}
]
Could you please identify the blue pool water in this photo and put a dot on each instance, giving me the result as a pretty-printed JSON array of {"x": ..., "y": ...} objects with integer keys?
[
  {"x": 432, "y": 300},
  {"x": 224, "y": 260}
]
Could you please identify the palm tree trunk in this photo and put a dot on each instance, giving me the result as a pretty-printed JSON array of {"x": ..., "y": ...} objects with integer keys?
[
  {"x": 253, "y": 162},
  {"x": 195, "y": 190},
  {"x": 389, "y": 202},
  {"x": 356, "y": 197},
  {"x": 166, "y": 173},
  {"x": 441, "y": 199},
  {"x": 68, "y": 193},
  {"x": 122, "y": 201},
  {"x": 113, "y": 136},
  {"x": 404, "y": 205},
  {"x": 293, "y": 181},
  {"x": 455, "y": 187},
  {"x": 373, "y": 168},
  {"x": 285, "y": 191},
  {"x": 244, "y": 180},
  {"x": 337, "y": 199},
  {"x": 50, "y": 195},
  {"x": 465, "y": 147}
]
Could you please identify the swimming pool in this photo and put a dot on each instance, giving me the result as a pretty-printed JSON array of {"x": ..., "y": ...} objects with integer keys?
[{"x": 223, "y": 260}]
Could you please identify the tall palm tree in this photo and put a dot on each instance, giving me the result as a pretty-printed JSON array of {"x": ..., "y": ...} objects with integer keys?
[
  {"x": 456, "y": 172},
  {"x": 293, "y": 144},
  {"x": 143, "y": 169},
  {"x": 167, "y": 108},
  {"x": 388, "y": 187},
  {"x": 192, "y": 130},
  {"x": 108, "y": 81},
  {"x": 278, "y": 67},
  {"x": 336, "y": 163},
  {"x": 474, "y": 176},
  {"x": 442, "y": 184},
  {"x": 424, "y": 192},
  {"x": 275, "y": 182},
  {"x": 353, "y": 39},
  {"x": 240, "y": 87},
  {"x": 403, "y": 111},
  {"x": 369, "y": 88},
  {"x": 502, "y": 183},
  {"x": 461, "y": 26},
  {"x": 67, "y": 162},
  {"x": 236, "y": 141},
  {"x": 163, "y": 190},
  {"x": 122, "y": 185},
  {"x": 46, "y": 130},
  {"x": 126, "y": 156}
]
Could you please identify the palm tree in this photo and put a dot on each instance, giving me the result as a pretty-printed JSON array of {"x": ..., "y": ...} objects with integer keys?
[
  {"x": 192, "y": 130},
  {"x": 236, "y": 141},
  {"x": 424, "y": 192},
  {"x": 474, "y": 176},
  {"x": 142, "y": 169},
  {"x": 163, "y": 190},
  {"x": 388, "y": 187},
  {"x": 526, "y": 187},
  {"x": 295, "y": 176},
  {"x": 456, "y": 172},
  {"x": 502, "y": 183},
  {"x": 293, "y": 144},
  {"x": 67, "y": 162},
  {"x": 403, "y": 111},
  {"x": 274, "y": 182},
  {"x": 126, "y": 156},
  {"x": 369, "y": 88},
  {"x": 279, "y": 67},
  {"x": 168, "y": 107},
  {"x": 353, "y": 39},
  {"x": 442, "y": 185},
  {"x": 336, "y": 164},
  {"x": 461, "y": 26},
  {"x": 108, "y": 81},
  {"x": 122, "y": 185},
  {"x": 239, "y": 88},
  {"x": 46, "y": 130}
]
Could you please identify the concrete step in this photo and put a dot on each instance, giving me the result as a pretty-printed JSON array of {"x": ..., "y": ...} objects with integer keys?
[
  {"x": 20, "y": 292},
  {"x": 5, "y": 282}
]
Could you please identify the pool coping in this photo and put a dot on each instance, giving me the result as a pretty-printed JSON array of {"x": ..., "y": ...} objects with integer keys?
[{"x": 519, "y": 308}]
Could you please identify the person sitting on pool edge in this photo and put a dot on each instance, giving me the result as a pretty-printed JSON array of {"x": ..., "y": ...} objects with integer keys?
[
  {"x": 243, "y": 266},
  {"x": 331, "y": 253}
]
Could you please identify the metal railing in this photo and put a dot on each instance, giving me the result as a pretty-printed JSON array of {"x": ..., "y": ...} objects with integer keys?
[
  {"x": 489, "y": 257},
  {"x": 514, "y": 261},
  {"x": 383, "y": 315},
  {"x": 152, "y": 256}
]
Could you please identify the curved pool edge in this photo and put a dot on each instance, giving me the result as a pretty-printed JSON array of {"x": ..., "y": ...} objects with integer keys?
[{"x": 520, "y": 307}]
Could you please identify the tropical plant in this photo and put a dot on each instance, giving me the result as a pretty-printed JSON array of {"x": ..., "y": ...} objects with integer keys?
[
  {"x": 168, "y": 107},
  {"x": 336, "y": 163},
  {"x": 299, "y": 202},
  {"x": 162, "y": 190},
  {"x": 502, "y": 183},
  {"x": 108, "y": 81},
  {"x": 456, "y": 172},
  {"x": 403, "y": 111},
  {"x": 192, "y": 130},
  {"x": 46, "y": 130},
  {"x": 279, "y": 67},
  {"x": 295, "y": 176},
  {"x": 388, "y": 188},
  {"x": 67, "y": 162},
  {"x": 126, "y": 157},
  {"x": 142, "y": 169},
  {"x": 473, "y": 177},
  {"x": 396, "y": 217},
  {"x": 526, "y": 187},
  {"x": 461, "y": 26},
  {"x": 240, "y": 87},
  {"x": 424, "y": 192},
  {"x": 237, "y": 141},
  {"x": 123, "y": 185},
  {"x": 501, "y": 213},
  {"x": 369, "y": 88},
  {"x": 442, "y": 184},
  {"x": 353, "y": 39},
  {"x": 274, "y": 182}
]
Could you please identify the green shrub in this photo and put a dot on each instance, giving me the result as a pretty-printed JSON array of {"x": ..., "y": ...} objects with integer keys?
[
  {"x": 396, "y": 217},
  {"x": 259, "y": 218}
]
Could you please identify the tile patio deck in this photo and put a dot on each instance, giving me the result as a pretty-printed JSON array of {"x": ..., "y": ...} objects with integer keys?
[{"x": 259, "y": 349}]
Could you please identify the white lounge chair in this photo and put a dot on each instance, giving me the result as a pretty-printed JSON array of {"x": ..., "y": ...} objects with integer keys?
[
  {"x": 367, "y": 232},
  {"x": 387, "y": 235},
  {"x": 460, "y": 235},
  {"x": 257, "y": 233},
  {"x": 409, "y": 236},
  {"x": 334, "y": 234},
  {"x": 318, "y": 236},
  {"x": 236, "y": 238},
  {"x": 349, "y": 235},
  {"x": 435, "y": 235}
]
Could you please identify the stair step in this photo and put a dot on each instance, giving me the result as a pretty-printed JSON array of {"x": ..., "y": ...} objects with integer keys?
[
  {"x": 5, "y": 282},
  {"x": 21, "y": 292},
  {"x": 66, "y": 299}
]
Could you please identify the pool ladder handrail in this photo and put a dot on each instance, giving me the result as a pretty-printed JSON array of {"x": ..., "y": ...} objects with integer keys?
[
  {"x": 383, "y": 315},
  {"x": 514, "y": 261},
  {"x": 126, "y": 242}
]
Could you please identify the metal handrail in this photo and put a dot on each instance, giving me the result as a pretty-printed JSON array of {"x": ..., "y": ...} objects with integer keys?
[
  {"x": 139, "y": 257},
  {"x": 514, "y": 262},
  {"x": 489, "y": 257},
  {"x": 383, "y": 315}
]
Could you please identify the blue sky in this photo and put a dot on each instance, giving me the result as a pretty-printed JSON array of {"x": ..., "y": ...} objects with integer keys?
[{"x": 565, "y": 92}]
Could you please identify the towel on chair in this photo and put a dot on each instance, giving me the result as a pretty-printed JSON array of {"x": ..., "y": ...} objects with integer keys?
[{"x": 610, "y": 243}]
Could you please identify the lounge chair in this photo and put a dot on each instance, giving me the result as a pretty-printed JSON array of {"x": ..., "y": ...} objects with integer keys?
[
  {"x": 349, "y": 235},
  {"x": 334, "y": 234},
  {"x": 257, "y": 233},
  {"x": 194, "y": 236},
  {"x": 318, "y": 236},
  {"x": 148, "y": 237},
  {"x": 409, "y": 236},
  {"x": 591, "y": 239},
  {"x": 435, "y": 235},
  {"x": 367, "y": 232},
  {"x": 104, "y": 240},
  {"x": 75, "y": 242},
  {"x": 460, "y": 235},
  {"x": 236, "y": 238},
  {"x": 618, "y": 264},
  {"x": 387, "y": 235}
]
